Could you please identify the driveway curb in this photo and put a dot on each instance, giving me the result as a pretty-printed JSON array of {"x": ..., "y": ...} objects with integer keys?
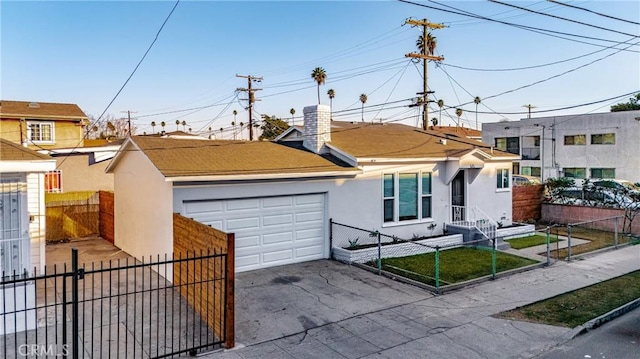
[{"x": 607, "y": 317}]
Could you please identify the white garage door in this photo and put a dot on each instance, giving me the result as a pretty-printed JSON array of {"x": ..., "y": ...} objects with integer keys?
[{"x": 269, "y": 231}]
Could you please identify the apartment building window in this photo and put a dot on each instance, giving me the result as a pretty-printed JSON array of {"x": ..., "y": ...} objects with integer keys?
[
  {"x": 40, "y": 131},
  {"x": 503, "y": 178},
  {"x": 574, "y": 172},
  {"x": 531, "y": 148},
  {"x": 407, "y": 196},
  {"x": 53, "y": 181},
  {"x": 508, "y": 144},
  {"x": 531, "y": 171},
  {"x": 575, "y": 140},
  {"x": 603, "y": 139},
  {"x": 603, "y": 173}
]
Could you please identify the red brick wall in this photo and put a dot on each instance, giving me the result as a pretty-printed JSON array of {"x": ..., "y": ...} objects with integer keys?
[
  {"x": 106, "y": 223},
  {"x": 214, "y": 276},
  {"x": 525, "y": 202},
  {"x": 558, "y": 213}
]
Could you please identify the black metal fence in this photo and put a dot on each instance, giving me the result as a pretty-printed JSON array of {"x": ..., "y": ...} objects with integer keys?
[{"x": 121, "y": 309}]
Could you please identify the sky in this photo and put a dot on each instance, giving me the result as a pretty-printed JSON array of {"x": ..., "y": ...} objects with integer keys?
[{"x": 82, "y": 52}]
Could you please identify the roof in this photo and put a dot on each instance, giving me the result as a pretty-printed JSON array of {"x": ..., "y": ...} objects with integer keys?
[
  {"x": 457, "y": 131},
  {"x": 184, "y": 157},
  {"x": 66, "y": 111},
  {"x": 397, "y": 141},
  {"x": 11, "y": 151}
]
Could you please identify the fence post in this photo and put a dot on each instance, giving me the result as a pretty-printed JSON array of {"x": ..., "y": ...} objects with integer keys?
[
  {"x": 568, "y": 243},
  {"x": 615, "y": 238},
  {"x": 229, "y": 321},
  {"x": 438, "y": 269},
  {"x": 74, "y": 303},
  {"x": 493, "y": 261},
  {"x": 331, "y": 238},
  {"x": 548, "y": 245},
  {"x": 379, "y": 255}
]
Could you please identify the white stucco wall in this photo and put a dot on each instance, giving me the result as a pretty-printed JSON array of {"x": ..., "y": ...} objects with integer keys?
[
  {"x": 142, "y": 208},
  {"x": 484, "y": 194}
]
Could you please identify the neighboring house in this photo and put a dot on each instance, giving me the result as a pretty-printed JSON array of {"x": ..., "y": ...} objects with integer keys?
[
  {"x": 598, "y": 145},
  {"x": 42, "y": 125},
  {"x": 278, "y": 197},
  {"x": 22, "y": 213}
]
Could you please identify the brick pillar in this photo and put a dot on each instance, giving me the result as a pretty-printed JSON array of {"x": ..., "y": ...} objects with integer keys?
[{"x": 317, "y": 128}]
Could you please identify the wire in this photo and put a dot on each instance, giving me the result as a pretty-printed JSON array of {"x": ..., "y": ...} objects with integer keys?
[{"x": 593, "y": 12}]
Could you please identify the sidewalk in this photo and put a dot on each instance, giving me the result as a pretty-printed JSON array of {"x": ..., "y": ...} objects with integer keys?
[{"x": 455, "y": 325}]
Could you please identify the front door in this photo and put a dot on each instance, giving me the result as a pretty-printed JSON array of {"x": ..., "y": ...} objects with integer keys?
[
  {"x": 13, "y": 230},
  {"x": 457, "y": 197}
]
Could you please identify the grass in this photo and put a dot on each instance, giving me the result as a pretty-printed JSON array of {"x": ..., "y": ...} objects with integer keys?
[
  {"x": 597, "y": 238},
  {"x": 456, "y": 265},
  {"x": 579, "y": 306},
  {"x": 531, "y": 241}
]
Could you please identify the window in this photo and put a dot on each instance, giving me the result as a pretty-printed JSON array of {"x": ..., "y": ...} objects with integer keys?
[
  {"x": 53, "y": 181},
  {"x": 14, "y": 243},
  {"x": 531, "y": 148},
  {"x": 508, "y": 144},
  {"x": 603, "y": 173},
  {"x": 40, "y": 131},
  {"x": 575, "y": 172},
  {"x": 603, "y": 139},
  {"x": 407, "y": 196},
  {"x": 531, "y": 171},
  {"x": 575, "y": 140},
  {"x": 503, "y": 178}
]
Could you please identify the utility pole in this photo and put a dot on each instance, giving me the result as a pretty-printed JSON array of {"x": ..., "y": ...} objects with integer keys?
[
  {"x": 128, "y": 120},
  {"x": 252, "y": 98},
  {"x": 425, "y": 57},
  {"x": 529, "y": 106}
]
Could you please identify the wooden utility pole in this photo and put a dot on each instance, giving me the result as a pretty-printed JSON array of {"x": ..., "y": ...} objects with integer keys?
[
  {"x": 529, "y": 106},
  {"x": 128, "y": 120},
  {"x": 252, "y": 98},
  {"x": 425, "y": 57}
]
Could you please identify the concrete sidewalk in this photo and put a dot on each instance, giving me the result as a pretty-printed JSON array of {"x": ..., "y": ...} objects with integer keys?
[{"x": 399, "y": 321}]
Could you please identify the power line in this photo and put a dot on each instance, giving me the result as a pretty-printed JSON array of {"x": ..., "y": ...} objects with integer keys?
[{"x": 593, "y": 12}]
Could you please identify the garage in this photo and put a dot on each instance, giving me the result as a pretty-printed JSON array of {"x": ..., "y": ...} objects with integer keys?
[{"x": 269, "y": 231}]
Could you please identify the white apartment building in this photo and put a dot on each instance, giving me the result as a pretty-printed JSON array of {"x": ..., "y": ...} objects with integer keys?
[{"x": 597, "y": 145}]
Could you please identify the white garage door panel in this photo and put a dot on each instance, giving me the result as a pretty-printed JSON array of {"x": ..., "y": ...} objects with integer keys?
[{"x": 269, "y": 231}]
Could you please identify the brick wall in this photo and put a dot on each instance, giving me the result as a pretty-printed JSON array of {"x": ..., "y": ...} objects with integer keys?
[
  {"x": 106, "y": 223},
  {"x": 212, "y": 276},
  {"x": 564, "y": 214},
  {"x": 526, "y": 202}
]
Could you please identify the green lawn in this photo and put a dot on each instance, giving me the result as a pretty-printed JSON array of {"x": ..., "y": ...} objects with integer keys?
[
  {"x": 456, "y": 265},
  {"x": 531, "y": 241},
  {"x": 578, "y": 307}
]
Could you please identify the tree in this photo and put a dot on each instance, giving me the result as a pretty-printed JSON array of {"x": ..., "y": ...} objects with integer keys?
[
  {"x": 162, "y": 124},
  {"x": 272, "y": 127},
  {"x": 441, "y": 105},
  {"x": 153, "y": 126},
  {"x": 331, "y": 93},
  {"x": 431, "y": 44},
  {"x": 363, "y": 99},
  {"x": 319, "y": 75},
  {"x": 476, "y": 100},
  {"x": 233, "y": 124},
  {"x": 108, "y": 127},
  {"x": 184, "y": 125},
  {"x": 633, "y": 104},
  {"x": 177, "y": 125},
  {"x": 458, "y": 113},
  {"x": 221, "y": 131},
  {"x": 292, "y": 112},
  {"x": 434, "y": 121},
  {"x": 241, "y": 125}
]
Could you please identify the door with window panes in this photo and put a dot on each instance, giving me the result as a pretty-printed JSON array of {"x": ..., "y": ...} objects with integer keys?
[
  {"x": 457, "y": 197},
  {"x": 14, "y": 234}
]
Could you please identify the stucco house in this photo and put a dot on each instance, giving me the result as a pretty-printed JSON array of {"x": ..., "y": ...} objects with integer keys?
[{"x": 277, "y": 197}]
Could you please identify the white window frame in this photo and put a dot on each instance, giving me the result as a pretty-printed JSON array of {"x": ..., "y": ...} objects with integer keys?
[
  {"x": 500, "y": 174},
  {"x": 40, "y": 124},
  {"x": 47, "y": 188},
  {"x": 396, "y": 198}
]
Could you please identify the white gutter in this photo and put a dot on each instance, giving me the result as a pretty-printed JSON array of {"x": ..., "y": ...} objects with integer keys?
[
  {"x": 28, "y": 166},
  {"x": 367, "y": 160},
  {"x": 261, "y": 176}
]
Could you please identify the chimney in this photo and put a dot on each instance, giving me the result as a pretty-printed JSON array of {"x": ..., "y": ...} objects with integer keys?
[{"x": 317, "y": 128}]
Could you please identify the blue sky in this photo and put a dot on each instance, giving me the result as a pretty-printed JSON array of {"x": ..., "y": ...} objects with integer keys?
[{"x": 82, "y": 52}]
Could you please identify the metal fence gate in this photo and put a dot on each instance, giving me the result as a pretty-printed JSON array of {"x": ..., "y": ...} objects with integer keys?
[{"x": 123, "y": 309}]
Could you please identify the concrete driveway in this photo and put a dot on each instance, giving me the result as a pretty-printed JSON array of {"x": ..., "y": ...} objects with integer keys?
[{"x": 281, "y": 301}]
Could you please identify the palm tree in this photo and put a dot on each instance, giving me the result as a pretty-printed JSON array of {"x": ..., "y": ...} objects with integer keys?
[
  {"x": 292, "y": 112},
  {"x": 363, "y": 99},
  {"x": 331, "y": 93},
  {"x": 177, "y": 125},
  {"x": 153, "y": 126},
  {"x": 221, "y": 130},
  {"x": 233, "y": 124},
  {"x": 434, "y": 121},
  {"x": 458, "y": 113},
  {"x": 477, "y": 102},
  {"x": 241, "y": 125},
  {"x": 162, "y": 124},
  {"x": 184, "y": 125},
  {"x": 431, "y": 44},
  {"x": 441, "y": 105},
  {"x": 319, "y": 75},
  {"x": 210, "y": 133}
]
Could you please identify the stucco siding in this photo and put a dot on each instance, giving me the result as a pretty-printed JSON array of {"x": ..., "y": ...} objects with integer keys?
[
  {"x": 78, "y": 175},
  {"x": 484, "y": 194},
  {"x": 142, "y": 208}
]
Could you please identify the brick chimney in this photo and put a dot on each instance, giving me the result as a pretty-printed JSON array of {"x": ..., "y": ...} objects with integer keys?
[{"x": 317, "y": 128}]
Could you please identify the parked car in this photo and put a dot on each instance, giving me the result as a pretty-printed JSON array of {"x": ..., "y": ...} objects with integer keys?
[
  {"x": 617, "y": 184},
  {"x": 519, "y": 180},
  {"x": 594, "y": 196}
]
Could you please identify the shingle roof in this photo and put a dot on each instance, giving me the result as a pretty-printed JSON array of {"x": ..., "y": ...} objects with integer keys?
[
  {"x": 41, "y": 110},
  {"x": 184, "y": 157},
  {"x": 397, "y": 141},
  {"x": 457, "y": 131},
  {"x": 10, "y": 151}
]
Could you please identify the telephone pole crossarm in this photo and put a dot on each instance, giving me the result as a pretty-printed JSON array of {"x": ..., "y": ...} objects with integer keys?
[{"x": 250, "y": 90}]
